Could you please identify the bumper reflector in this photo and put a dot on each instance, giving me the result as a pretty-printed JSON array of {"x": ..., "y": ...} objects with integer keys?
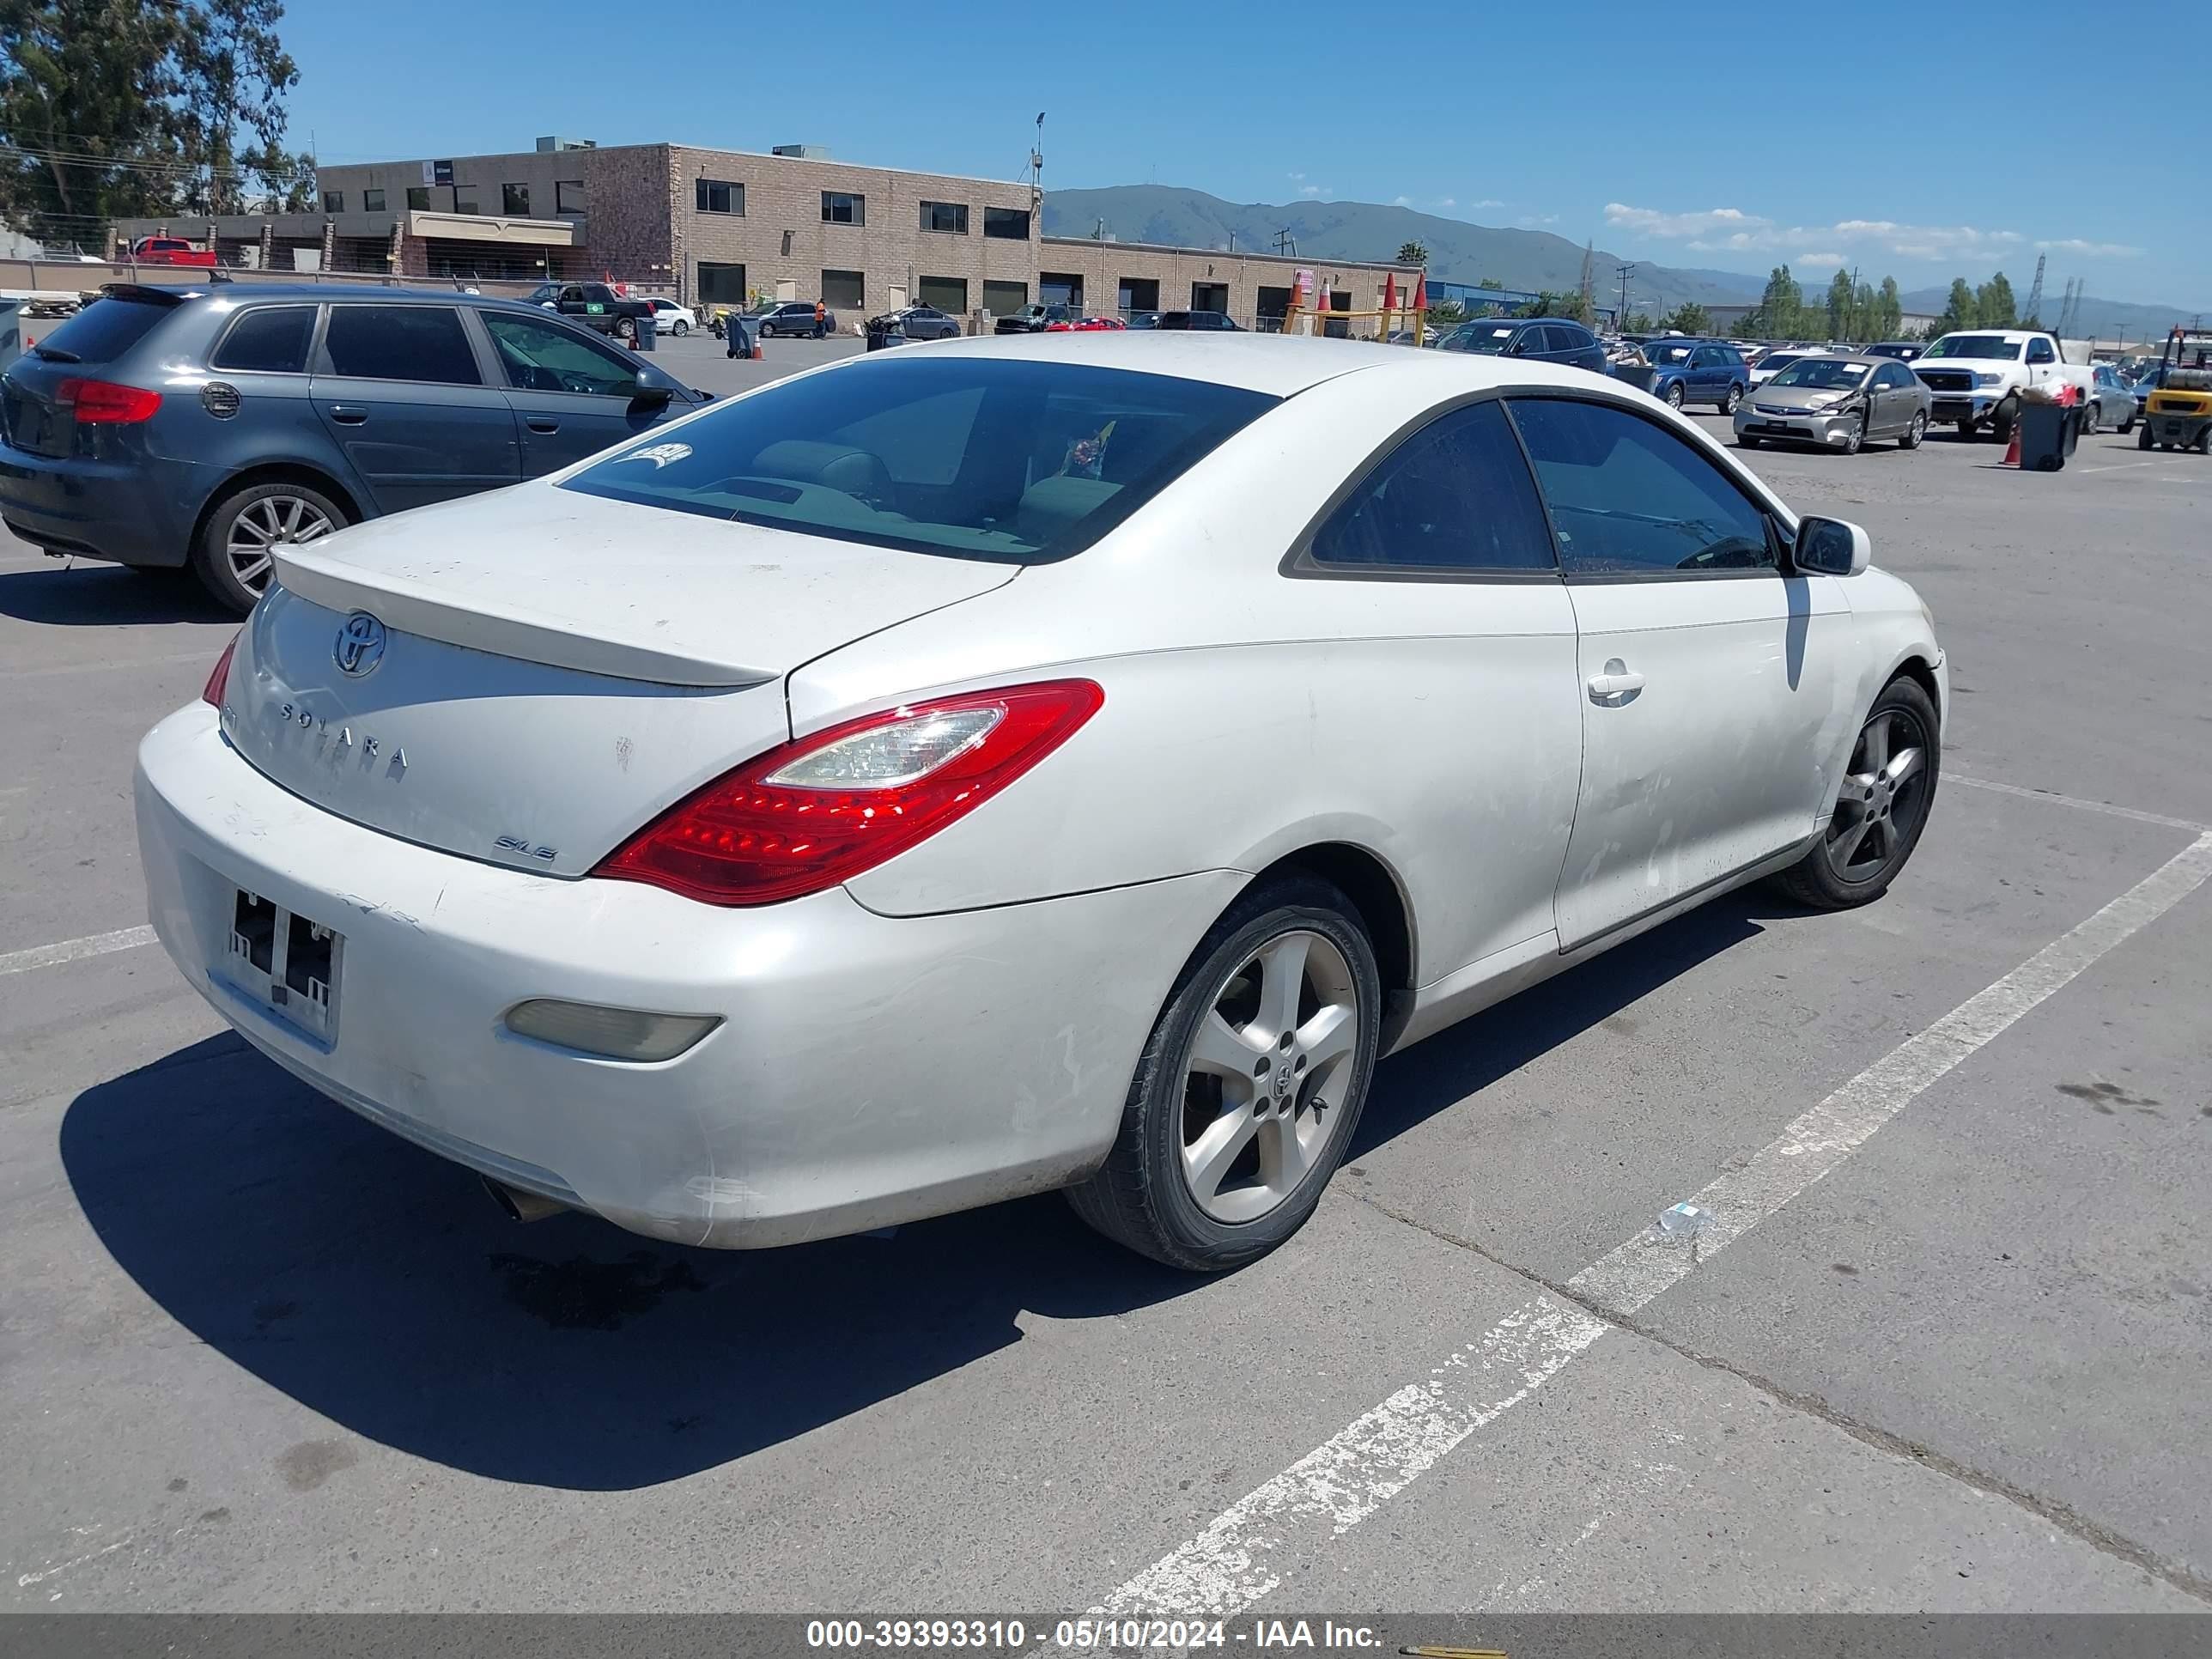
[{"x": 610, "y": 1033}]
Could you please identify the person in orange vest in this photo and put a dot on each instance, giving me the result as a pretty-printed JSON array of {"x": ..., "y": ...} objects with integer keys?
[{"x": 821, "y": 319}]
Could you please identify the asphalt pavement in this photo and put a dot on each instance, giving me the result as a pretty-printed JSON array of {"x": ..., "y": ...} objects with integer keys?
[{"x": 1949, "y": 1355}]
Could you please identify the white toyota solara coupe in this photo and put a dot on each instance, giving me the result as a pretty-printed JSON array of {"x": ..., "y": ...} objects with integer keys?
[{"x": 1001, "y": 765}]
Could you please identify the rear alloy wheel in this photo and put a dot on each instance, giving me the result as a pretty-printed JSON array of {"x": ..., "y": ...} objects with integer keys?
[
  {"x": 626, "y": 331},
  {"x": 1674, "y": 395},
  {"x": 236, "y": 555},
  {"x": 1729, "y": 403},
  {"x": 681, "y": 329},
  {"x": 2090, "y": 411},
  {"x": 1880, "y": 809},
  {"x": 1915, "y": 431},
  {"x": 1247, "y": 1093}
]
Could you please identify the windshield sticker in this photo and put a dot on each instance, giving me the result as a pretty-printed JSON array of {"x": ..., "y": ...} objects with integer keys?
[{"x": 659, "y": 454}]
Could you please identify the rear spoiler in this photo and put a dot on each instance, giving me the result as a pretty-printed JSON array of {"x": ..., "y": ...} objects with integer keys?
[{"x": 147, "y": 294}]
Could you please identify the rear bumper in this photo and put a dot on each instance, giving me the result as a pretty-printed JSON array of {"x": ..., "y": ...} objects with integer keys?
[
  {"x": 869, "y": 1070},
  {"x": 133, "y": 512}
]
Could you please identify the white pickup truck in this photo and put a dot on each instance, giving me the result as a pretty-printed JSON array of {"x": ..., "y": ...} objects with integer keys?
[{"x": 1976, "y": 374}]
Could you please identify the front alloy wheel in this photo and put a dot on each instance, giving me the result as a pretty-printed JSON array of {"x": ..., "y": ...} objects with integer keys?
[
  {"x": 1735, "y": 397},
  {"x": 1249, "y": 1088},
  {"x": 1674, "y": 395},
  {"x": 1880, "y": 808}
]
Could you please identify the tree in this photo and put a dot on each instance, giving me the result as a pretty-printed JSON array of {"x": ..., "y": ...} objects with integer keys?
[
  {"x": 1781, "y": 309},
  {"x": 1442, "y": 312},
  {"x": 1840, "y": 305},
  {"x": 1410, "y": 253},
  {"x": 1994, "y": 304},
  {"x": 1888, "y": 311},
  {"x": 1959, "y": 310},
  {"x": 1690, "y": 318},
  {"x": 125, "y": 108},
  {"x": 1637, "y": 322},
  {"x": 1585, "y": 310},
  {"x": 1491, "y": 282}
]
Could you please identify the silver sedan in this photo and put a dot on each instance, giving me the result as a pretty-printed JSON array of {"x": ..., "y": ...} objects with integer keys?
[{"x": 1836, "y": 403}]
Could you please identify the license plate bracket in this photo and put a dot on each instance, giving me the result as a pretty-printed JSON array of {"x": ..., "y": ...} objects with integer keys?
[{"x": 288, "y": 963}]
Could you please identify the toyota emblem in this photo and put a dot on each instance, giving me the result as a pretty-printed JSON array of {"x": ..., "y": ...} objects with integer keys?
[{"x": 361, "y": 645}]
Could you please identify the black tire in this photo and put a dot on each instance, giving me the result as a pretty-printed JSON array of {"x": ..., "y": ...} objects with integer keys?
[
  {"x": 1816, "y": 881},
  {"x": 2203, "y": 444},
  {"x": 1735, "y": 397},
  {"x": 1747, "y": 440},
  {"x": 626, "y": 331},
  {"x": 2090, "y": 411},
  {"x": 211, "y": 560},
  {"x": 820, "y": 330},
  {"x": 765, "y": 332},
  {"x": 1915, "y": 431},
  {"x": 681, "y": 329},
  {"x": 1140, "y": 1197},
  {"x": 1966, "y": 432},
  {"x": 2003, "y": 418},
  {"x": 1674, "y": 395},
  {"x": 1857, "y": 439},
  {"x": 2142, "y": 438}
]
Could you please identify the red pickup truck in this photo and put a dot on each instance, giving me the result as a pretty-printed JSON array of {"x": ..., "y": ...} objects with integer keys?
[{"x": 170, "y": 250}]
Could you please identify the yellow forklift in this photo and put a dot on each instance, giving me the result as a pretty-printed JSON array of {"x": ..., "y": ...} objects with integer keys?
[{"x": 2179, "y": 414}]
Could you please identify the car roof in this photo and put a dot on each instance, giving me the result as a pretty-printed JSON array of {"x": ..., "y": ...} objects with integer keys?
[
  {"x": 239, "y": 293},
  {"x": 1280, "y": 366}
]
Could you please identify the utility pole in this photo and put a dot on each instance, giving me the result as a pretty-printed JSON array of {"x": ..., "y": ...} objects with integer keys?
[
  {"x": 1284, "y": 242},
  {"x": 1625, "y": 272},
  {"x": 1036, "y": 168}
]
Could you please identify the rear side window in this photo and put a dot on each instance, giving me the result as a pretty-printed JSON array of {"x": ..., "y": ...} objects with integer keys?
[
  {"x": 400, "y": 342},
  {"x": 1629, "y": 498},
  {"x": 978, "y": 458},
  {"x": 106, "y": 328},
  {"x": 267, "y": 340},
  {"x": 1455, "y": 496}
]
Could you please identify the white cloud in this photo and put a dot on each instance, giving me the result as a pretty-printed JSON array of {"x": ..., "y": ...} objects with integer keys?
[
  {"x": 1539, "y": 219},
  {"x": 1401, "y": 201},
  {"x": 1315, "y": 189},
  {"x": 1818, "y": 259},
  {"x": 1731, "y": 230},
  {"x": 2091, "y": 250},
  {"x": 1446, "y": 201},
  {"x": 1487, "y": 201}
]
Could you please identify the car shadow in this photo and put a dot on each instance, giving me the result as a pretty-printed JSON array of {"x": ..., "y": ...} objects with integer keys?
[
  {"x": 376, "y": 1284},
  {"x": 106, "y": 596}
]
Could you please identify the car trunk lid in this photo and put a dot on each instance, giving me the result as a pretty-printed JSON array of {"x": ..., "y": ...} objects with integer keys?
[{"x": 527, "y": 678}]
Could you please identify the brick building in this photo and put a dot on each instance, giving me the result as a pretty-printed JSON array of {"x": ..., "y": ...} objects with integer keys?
[{"x": 727, "y": 227}]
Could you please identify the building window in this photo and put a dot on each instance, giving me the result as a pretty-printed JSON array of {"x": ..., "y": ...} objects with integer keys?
[
  {"x": 713, "y": 196},
  {"x": 418, "y": 198},
  {"x": 568, "y": 196},
  {"x": 515, "y": 201},
  {"x": 721, "y": 284},
  {"x": 464, "y": 204},
  {"x": 946, "y": 293},
  {"x": 950, "y": 217},
  {"x": 1139, "y": 294},
  {"x": 845, "y": 289},
  {"x": 334, "y": 201},
  {"x": 839, "y": 208},
  {"x": 1012, "y": 224},
  {"x": 1002, "y": 299},
  {"x": 372, "y": 201}
]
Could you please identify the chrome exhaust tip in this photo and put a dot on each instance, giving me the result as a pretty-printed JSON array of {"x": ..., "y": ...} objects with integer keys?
[{"x": 518, "y": 1205}]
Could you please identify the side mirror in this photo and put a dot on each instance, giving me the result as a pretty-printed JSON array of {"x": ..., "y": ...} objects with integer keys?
[
  {"x": 1830, "y": 547},
  {"x": 654, "y": 386}
]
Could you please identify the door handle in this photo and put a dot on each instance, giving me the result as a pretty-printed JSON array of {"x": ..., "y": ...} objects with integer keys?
[
  {"x": 542, "y": 425},
  {"x": 1616, "y": 685},
  {"x": 348, "y": 414}
]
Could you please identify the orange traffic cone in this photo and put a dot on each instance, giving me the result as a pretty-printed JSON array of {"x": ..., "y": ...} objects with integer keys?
[
  {"x": 757, "y": 351},
  {"x": 2012, "y": 449}
]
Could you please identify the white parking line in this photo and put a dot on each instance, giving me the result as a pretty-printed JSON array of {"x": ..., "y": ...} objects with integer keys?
[
  {"x": 2121, "y": 466},
  {"x": 76, "y": 950},
  {"x": 1243, "y": 1554},
  {"x": 2055, "y": 799}
]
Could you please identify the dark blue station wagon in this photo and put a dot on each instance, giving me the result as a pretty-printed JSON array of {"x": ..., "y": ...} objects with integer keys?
[{"x": 201, "y": 426}]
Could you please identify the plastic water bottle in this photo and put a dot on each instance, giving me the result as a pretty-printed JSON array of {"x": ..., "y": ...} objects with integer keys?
[{"x": 1684, "y": 1220}]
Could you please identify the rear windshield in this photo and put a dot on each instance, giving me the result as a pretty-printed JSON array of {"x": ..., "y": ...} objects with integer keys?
[
  {"x": 1779, "y": 359},
  {"x": 1671, "y": 351},
  {"x": 106, "y": 328},
  {"x": 976, "y": 458}
]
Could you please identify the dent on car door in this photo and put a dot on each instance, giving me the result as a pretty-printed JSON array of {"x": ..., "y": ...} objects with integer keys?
[
  {"x": 572, "y": 396},
  {"x": 1714, "y": 685},
  {"x": 400, "y": 391}
]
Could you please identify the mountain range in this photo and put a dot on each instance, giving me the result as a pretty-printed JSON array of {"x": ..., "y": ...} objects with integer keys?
[{"x": 1463, "y": 253}]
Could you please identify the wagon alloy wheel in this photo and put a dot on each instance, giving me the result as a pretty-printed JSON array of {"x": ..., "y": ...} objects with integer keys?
[
  {"x": 265, "y": 525},
  {"x": 1884, "y": 797},
  {"x": 1269, "y": 1063}
]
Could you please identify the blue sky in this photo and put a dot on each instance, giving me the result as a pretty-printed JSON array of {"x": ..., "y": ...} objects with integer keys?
[{"x": 1764, "y": 140}]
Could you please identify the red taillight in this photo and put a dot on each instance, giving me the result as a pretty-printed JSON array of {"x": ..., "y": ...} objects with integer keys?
[
  {"x": 219, "y": 682},
  {"x": 808, "y": 815},
  {"x": 103, "y": 402}
]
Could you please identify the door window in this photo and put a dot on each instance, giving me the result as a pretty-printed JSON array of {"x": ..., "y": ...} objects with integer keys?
[
  {"x": 400, "y": 342},
  {"x": 1455, "y": 496},
  {"x": 1630, "y": 499},
  {"x": 267, "y": 340},
  {"x": 2039, "y": 351},
  {"x": 538, "y": 356}
]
